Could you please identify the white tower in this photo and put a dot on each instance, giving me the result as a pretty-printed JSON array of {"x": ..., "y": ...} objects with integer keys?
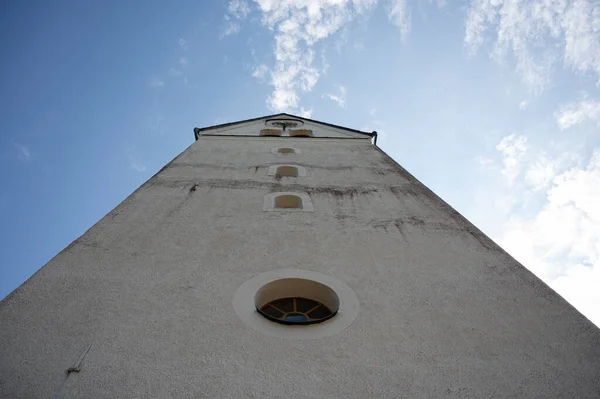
[{"x": 282, "y": 257}]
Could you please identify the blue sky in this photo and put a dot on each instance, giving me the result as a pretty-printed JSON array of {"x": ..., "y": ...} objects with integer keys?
[{"x": 494, "y": 105}]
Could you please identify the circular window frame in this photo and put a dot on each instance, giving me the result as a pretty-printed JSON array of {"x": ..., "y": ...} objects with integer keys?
[
  {"x": 245, "y": 308},
  {"x": 295, "y": 288},
  {"x": 280, "y": 123}
]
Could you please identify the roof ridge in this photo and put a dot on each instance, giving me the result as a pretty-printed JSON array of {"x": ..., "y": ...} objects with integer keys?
[{"x": 197, "y": 130}]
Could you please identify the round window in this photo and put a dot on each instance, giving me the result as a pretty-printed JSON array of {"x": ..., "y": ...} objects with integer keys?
[
  {"x": 296, "y": 304},
  {"x": 296, "y": 301},
  {"x": 296, "y": 311},
  {"x": 284, "y": 123}
]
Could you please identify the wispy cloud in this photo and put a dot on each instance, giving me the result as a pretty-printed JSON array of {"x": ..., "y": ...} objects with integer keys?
[
  {"x": 135, "y": 161},
  {"x": 137, "y": 166},
  {"x": 550, "y": 200},
  {"x": 513, "y": 149},
  {"x": 183, "y": 44},
  {"x": 339, "y": 97},
  {"x": 578, "y": 112},
  {"x": 561, "y": 243},
  {"x": 523, "y": 105},
  {"x": 260, "y": 71},
  {"x": 306, "y": 113},
  {"x": 399, "y": 15},
  {"x": 239, "y": 8},
  {"x": 230, "y": 27},
  {"x": 324, "y": 64},
  {"x": 174, "y": 72},
  {"x": 538, "y": 34},
  {"x": 23, "y": 152},
  {"x": 298, "y": 26},
  {"x": 236, "y": 10},
  {"x": 156, "y": 82}
]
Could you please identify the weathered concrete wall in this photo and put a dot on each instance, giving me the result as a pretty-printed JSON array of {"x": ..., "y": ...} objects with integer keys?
[{"x": 443, "y": 311}]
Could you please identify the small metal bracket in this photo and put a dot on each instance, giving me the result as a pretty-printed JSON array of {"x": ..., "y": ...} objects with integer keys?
[{"x": 76, "y": 367}]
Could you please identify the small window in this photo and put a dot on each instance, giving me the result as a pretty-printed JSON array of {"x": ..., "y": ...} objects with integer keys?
[
  {"x": 288, "y": 202},
  {"x": 285, "y": 151},
  {"x": 270, "y": 132},
  {"x": 287, "y": 171},
  {"x": 301, "y": 133}
]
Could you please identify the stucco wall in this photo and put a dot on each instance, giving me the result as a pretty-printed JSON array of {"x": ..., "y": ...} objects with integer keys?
[{"x": 443, "y": 311}]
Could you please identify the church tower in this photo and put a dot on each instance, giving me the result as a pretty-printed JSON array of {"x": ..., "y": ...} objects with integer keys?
[{"x": 283, "y": 257}]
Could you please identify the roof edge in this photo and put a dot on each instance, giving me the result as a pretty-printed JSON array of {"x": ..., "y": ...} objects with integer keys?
[{"x": 197, "y": 130}]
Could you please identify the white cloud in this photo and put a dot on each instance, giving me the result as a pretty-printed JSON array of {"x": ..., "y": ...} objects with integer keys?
[
  {"x": 339, "y": 98},
  {"x": 324, "y": 64},
  {"x": 260, "y": 71},
  {"x": 23, "y": 153},
  {"x": 175, "y": 72},
  {"x": 156, "y": 82},
  {"x": 541, "y": 172},
  {"x": 513, "y": 149},
  {"x": 550, "y": 200},
  {"x": 359, "y": 46},
  {"x": 399, "y": 15},
  {"x": 239, "y": 8},
  {"x": 183, "y": 61},
  {"x": 537, "y": 33},
  {"x": 535, "y": 168},
  {"x": 484, "y": 162},
  {"x": 231, "y": 27},
  {"x": 305, "y": 113},
  {"x": 576, "y": 113},
  {"x": 561, "y": 243},
  {"x": 139, "y": 167},
  {"x": 298, "y": 25},
  {"x": 236, "y": 10},
  {"x": 183, "y": 44},
  {"x": 523, "y": 105},
  {"x": 135, "y": 161}
]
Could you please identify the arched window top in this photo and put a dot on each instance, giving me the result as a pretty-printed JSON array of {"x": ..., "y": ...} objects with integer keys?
[
  {"x": 287, "y": 201},
  {"x": 270, "y": 132},
  {"x": 287, "y": 170},
  {"x": 300, "y": 133},
  {"x": 285, "y": 151},
  {"x": 296, "y": 301}
]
